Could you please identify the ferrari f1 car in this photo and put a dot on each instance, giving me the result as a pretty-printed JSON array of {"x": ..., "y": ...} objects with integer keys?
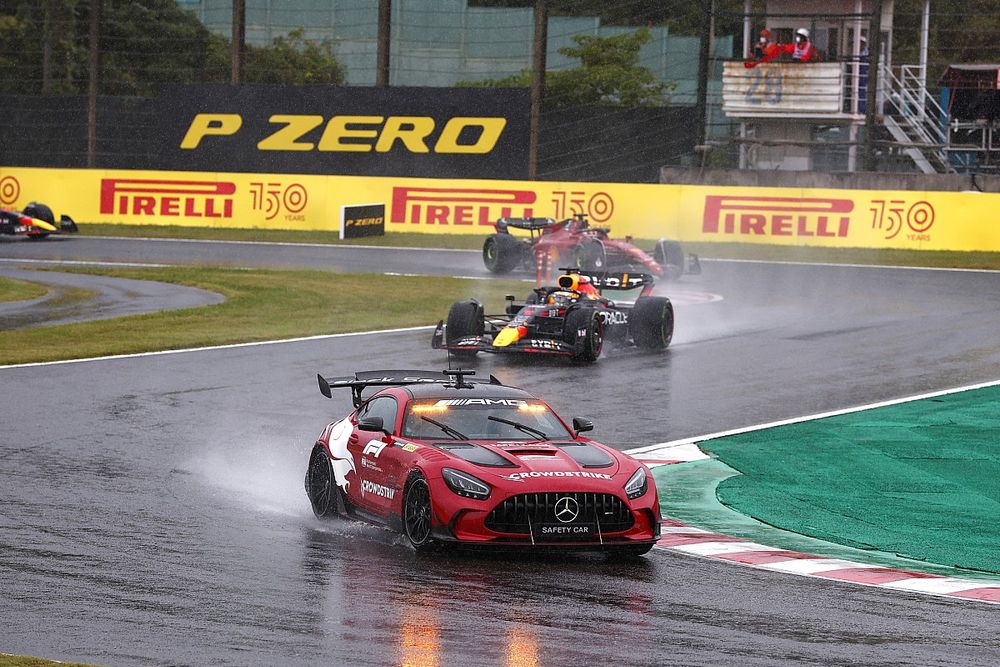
[
  {"x": 449, "y": 460},
  {"x": 574, "y": 242},
  {"x": 572, "y": 319},
  {"x": 36, "y": 221}
]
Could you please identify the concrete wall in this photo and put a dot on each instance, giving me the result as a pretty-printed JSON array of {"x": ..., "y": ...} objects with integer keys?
[{"x": 841, "y": 181}]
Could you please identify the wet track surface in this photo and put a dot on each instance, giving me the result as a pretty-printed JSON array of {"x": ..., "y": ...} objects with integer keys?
[
  {"x": 152, "y": 509},
  {"x": 102, "y": 297}
]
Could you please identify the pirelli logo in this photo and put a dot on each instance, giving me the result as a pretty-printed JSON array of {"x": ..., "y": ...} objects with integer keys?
[
  {"x": 733, "y": 215},
  {"x": 458, "y": 206},
  {"x": 189, "y": 199}
]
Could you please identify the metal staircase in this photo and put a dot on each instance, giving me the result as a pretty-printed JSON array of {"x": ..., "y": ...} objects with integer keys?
[{"x": 915, "y": 119}]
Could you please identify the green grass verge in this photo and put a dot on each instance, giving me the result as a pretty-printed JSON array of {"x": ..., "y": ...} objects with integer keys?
[
  {"x": 28, "y": 661},
  {"x": 20, "y": 290},
  {"x": 260, "y": 305},
  {"x": 929, "y": 258}
]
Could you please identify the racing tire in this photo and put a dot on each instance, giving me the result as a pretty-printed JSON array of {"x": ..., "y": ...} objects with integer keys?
[
  {"x": 652, "y": 322},
  {"x": 668, "y": 254},
  {"x": 324, "y": 494},
  {"x": 502, "y": 253},
  {"x": 590, "y": 256},
  {"x": 590, "y": 323},
  {"x": 42, "y": 212},
  {"x": 465, "y": 318},
  {"x": 417, "y": 514}
]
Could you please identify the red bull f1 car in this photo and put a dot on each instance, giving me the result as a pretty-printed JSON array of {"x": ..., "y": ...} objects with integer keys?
[
  {"x": 571, "y": 319},
  {"x": 450, "y": 460},
  {"x": 36, "y": 221},
  {"x": 573, "y": 242}
]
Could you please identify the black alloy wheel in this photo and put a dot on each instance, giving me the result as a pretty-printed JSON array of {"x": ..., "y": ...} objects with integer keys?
[
  {"x": 417, "y": 514},
  {"x": 320, "y": 485}
]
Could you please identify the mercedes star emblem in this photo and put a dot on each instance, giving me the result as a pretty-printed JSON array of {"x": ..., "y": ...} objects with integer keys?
[{"x": 567, "y": 509}]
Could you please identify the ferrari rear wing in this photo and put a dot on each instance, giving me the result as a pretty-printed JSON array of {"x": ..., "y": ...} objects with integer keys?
[
  {"x": 395, "y": 378},
  {"x": 531, "y": 224}
]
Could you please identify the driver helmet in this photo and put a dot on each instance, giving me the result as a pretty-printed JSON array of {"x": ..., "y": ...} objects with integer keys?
[
  {"x": 803, "y": 33},
  {"x": 560, "y": 298}
]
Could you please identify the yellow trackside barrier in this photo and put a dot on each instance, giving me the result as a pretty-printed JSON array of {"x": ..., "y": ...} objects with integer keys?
[{"x": 783, "y": 216}]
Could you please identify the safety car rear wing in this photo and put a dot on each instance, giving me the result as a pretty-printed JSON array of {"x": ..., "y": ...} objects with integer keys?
[{"x": 395, "y": 378}]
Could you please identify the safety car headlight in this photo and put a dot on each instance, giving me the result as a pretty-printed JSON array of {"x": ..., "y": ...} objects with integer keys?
[
  {"x": 636, "y": 484},
  {"x": 465, "y": 484}
]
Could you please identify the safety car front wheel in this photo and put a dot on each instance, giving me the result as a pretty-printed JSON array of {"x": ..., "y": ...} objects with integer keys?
[
  {"x": 585, "y": 332},
  {"x": 417, "y": 513},
  {"x": 652, "y": 322}
]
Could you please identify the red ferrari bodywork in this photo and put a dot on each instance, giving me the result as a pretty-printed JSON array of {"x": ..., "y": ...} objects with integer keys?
[
  {"x": 524, "y": 488},
  {"x": 553, "y": 245},
  {"x": 561, "y": 239}
]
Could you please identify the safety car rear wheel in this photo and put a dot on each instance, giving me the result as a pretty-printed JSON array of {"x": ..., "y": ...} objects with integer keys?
[
  {"x": 502, "y": 253},
  {"x": 417, "y": 513},
  {"x": 321, "y": 487},
  {"x": 465, "y": 319},
  {"x": 652, "y": 322},
  {"x": 584, "y": 330},
  {"x": 590, "y": 256}
]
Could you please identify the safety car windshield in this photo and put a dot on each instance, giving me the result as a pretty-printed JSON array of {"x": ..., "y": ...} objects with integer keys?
[{"x": 482, "y": 419}]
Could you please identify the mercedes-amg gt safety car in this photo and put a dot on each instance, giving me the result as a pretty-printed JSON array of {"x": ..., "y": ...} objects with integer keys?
[
  {"x": 451, "y": 460},
  {"x": 573, "y": 242},
  {"x": 572, "y": 319},
  {"x": 36, "y": 221}
]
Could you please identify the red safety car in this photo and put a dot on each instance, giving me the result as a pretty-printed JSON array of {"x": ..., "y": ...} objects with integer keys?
[
  {"x": 36, "y": 221},
  {"x": 573, "y": 242},
  {"x": 447, "y": 459}
]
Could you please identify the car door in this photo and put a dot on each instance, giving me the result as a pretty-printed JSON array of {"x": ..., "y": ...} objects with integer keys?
[{"x": 373, "y": 452}]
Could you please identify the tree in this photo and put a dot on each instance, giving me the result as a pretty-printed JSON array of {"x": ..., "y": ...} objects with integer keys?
[
  {"x": 293, "y": 60},
  {"x": 609, "y": 73},
  {"x": 143, "y": 43}
]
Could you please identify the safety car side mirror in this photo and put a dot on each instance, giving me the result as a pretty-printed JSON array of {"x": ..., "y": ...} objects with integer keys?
[
  {"x": 580, "y": 425},
  {"x": 371, "y": 424}
]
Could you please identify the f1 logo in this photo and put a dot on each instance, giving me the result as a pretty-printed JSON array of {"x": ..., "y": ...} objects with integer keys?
[{"x": 374, "y": 448}]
